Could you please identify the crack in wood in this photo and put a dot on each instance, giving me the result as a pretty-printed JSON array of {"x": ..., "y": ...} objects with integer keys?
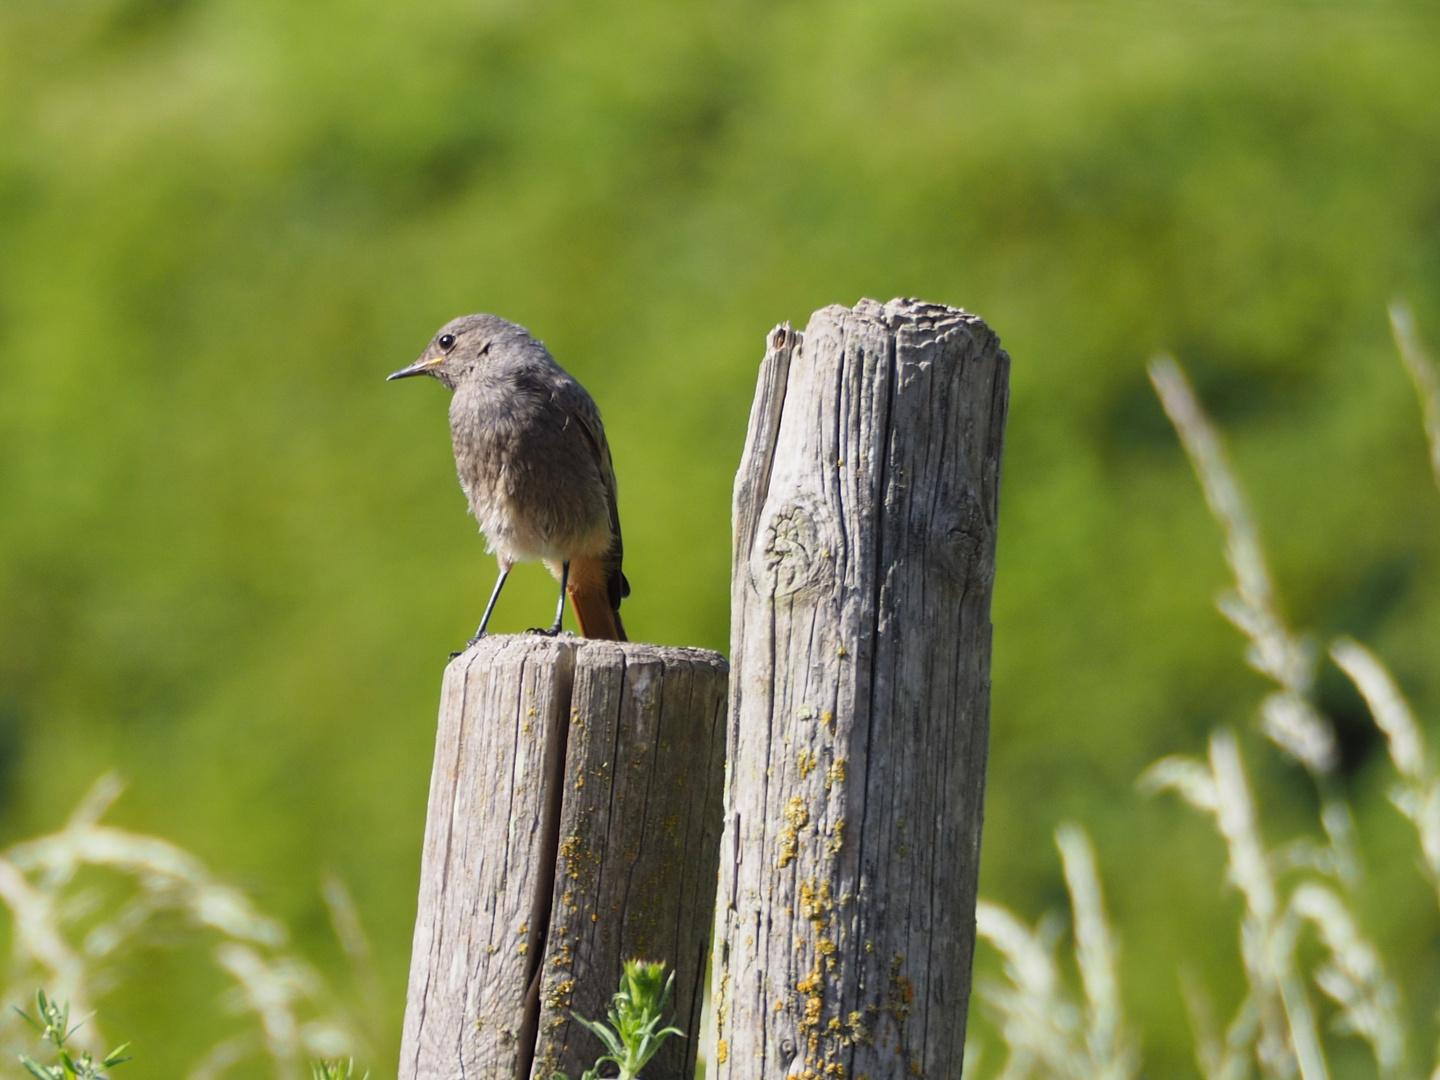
[
  {"x": 534, "y": 885},
  {"x": 865, "y": 511}
]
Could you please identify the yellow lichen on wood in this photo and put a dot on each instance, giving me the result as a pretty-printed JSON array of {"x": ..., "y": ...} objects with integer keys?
[
  {"x": 798, "y": 815},
  {"x": 815, "y": 902},
  {"x": 559, "y": 995},
  {"x": 805, "y": 761}
]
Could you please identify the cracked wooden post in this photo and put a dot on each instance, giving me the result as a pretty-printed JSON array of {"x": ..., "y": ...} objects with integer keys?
[
  {"x": 864, "y": 552},
  {"x": 574, "y": 822}
]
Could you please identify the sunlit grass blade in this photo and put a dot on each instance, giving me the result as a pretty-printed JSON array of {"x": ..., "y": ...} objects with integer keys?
[{"x": 1422, "y": 373}]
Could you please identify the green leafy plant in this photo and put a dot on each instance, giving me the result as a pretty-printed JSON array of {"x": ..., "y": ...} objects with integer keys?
[
  {"x": 631, "y": 1036},
  {"x": 52, "y": 1021},
  {"x": 335, "y": 1070}
]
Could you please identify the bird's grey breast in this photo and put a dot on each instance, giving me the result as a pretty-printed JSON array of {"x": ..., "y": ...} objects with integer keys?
[{"x": 526, "y": 457}]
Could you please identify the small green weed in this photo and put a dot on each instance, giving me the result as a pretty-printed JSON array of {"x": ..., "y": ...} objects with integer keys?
[
  {"x": 335, "y": 1070},
  {"x": 631, "y": 1036},
  {"x": 52, "y": 1021}
]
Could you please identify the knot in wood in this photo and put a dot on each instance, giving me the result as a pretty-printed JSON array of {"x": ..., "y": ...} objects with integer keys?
[
  {"x": 958, "y": 538},
  {"x": 793, "y": 551}
]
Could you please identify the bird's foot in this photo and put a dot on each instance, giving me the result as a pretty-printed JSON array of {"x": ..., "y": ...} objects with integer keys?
[
  {"x": 470, "y": 645},
  {"x": 553, "y": 631}
]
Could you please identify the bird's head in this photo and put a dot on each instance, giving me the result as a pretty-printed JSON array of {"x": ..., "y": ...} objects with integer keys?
[{"x": 460, "y": 347}]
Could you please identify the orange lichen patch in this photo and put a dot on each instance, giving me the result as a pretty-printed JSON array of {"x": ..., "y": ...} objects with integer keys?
[
  {"x": 805, "y": 761},
  {"x": 906, "y": 989},
  {"x": 835, "y": 774},
  {"x": 722, "y": 1052},
  {"x": 902, "y": 992},
  {"x": 837, "y": 839}
]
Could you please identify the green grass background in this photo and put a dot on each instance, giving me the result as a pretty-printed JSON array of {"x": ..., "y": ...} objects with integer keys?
[{"x": 233, "y": 560}]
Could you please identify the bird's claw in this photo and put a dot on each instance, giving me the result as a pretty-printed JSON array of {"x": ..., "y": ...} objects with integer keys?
[{"x": 470, "y": 644}]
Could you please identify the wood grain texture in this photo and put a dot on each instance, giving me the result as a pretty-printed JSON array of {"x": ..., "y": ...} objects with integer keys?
[
  {"x": 864, "y": 552},
  {"x": 573, "y": 823}
]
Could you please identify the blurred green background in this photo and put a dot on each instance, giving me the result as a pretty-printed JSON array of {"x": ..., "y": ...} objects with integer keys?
[{"x": 233, "y": 560}]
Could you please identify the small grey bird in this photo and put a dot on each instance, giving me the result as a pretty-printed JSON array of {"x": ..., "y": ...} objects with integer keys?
[{"x": 534, "y": 463}]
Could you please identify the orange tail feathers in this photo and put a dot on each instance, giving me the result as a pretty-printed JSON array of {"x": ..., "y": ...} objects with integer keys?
[{"x": 590, "y": 599}]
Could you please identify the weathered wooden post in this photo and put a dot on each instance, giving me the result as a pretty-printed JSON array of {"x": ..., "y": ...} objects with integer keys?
[
  {"x": 864, "y": 552},
  {"x": 574, "y": 822}
]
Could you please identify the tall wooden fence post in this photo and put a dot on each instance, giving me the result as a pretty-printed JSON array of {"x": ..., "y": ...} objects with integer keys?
[
  {"x": 574, "y": 823},
  {"x": 864, "y": 552}
]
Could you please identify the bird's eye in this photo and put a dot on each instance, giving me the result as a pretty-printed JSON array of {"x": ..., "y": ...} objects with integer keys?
[{"x": 446, "y": 342}]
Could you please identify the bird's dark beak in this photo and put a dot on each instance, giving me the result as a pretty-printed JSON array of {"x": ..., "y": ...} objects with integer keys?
[{"x": 419, "y": 367}]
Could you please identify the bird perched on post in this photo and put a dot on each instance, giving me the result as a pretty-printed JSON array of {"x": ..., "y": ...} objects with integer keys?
[{"x": 534, "y": 463}]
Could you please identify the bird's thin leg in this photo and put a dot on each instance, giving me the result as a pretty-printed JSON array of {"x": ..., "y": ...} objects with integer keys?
[
  {"x": 560, "y": 607},
  {"x": 485, "y": 619}
]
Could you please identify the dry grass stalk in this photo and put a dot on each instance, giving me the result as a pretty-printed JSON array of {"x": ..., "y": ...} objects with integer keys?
[
  {"x": 1288, "y": 718},
  {"x": 60, "y": 944},
  {"x": 1284, "y": 1039},
  {"x": 1046, "y": 1032},
  {"x": 1422, "y": 373},
  {"x": 1274, "y": 1031}
]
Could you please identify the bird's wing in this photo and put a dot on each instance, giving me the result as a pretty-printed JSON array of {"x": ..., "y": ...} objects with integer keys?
[{"x": 616, "y": 585}]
